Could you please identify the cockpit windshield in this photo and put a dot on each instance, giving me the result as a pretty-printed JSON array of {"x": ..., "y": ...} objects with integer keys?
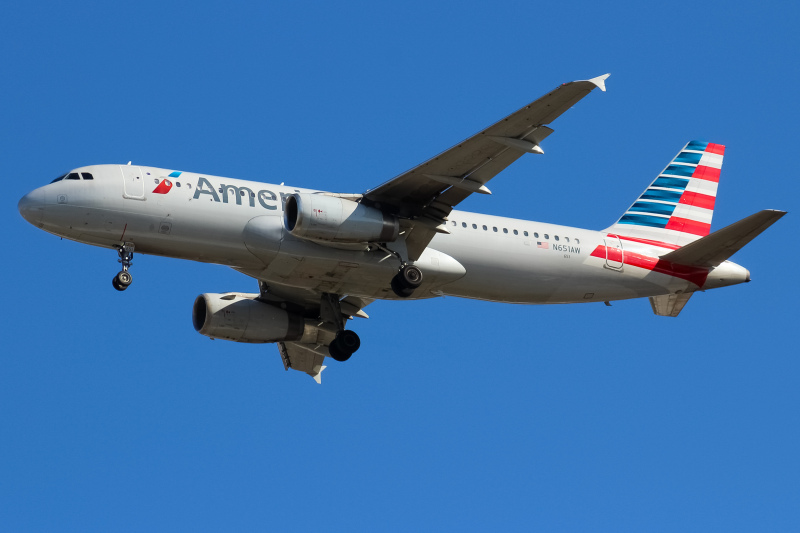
[{"x": 74, "y": 176}]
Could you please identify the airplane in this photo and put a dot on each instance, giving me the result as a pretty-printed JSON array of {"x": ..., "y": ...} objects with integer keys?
[{"x": 321, "y": 257}]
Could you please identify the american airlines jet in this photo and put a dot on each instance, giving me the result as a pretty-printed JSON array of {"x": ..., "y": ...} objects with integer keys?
[{"x": 320, "y": 257}]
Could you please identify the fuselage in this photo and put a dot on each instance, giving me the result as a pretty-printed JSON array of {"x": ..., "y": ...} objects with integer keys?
[{"x": 239, "y": 223}]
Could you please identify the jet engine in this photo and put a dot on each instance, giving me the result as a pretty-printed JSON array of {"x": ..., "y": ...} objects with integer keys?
[
  {"x": 241, "y": 318},
  {"x": 327, "y": 218}
]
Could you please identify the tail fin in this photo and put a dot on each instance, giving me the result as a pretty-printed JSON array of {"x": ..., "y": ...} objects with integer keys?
[{"x": 677, "y": 207}]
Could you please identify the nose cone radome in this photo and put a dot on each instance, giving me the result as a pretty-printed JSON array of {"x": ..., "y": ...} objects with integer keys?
[{"x": 31, "y": 207}]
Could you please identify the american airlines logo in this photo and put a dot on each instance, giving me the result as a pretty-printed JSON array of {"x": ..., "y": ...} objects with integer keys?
[
  {"x": 163, "y": 187},
  {"x": 241, "y": 195}
]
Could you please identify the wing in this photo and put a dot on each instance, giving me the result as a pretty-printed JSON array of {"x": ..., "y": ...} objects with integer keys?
[
  {"x": 306, "y": 358},
  {"x": 425, "y": 195}
]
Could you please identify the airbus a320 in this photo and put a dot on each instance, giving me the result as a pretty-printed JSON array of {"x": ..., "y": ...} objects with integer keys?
[{"x": 321, "y": 257}]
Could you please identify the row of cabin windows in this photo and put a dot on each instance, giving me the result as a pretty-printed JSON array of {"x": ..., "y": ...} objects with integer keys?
[
  {"x": 74, "y": 176},
  {"x": 515, "y": 232}
]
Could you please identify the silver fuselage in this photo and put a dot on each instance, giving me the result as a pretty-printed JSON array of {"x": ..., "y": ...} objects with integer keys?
[{"x": 240, "y": 224}]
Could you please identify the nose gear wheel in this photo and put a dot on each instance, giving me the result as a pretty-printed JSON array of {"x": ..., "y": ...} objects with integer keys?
[{"x": 123, "y": 279}]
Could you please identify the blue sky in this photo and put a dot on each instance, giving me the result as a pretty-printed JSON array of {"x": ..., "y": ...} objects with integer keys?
[{"x": 455, "y": 414}]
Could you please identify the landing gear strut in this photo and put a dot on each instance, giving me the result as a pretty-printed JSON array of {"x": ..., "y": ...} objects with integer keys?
[
  {"x": 408, "y": 279},
  {"x": 123, "y": 278}
]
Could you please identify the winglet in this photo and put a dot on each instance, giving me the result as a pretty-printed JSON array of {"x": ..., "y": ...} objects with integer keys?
[
  {"x": 600, "y": 81},
  {"x": 318, "y": 376}
]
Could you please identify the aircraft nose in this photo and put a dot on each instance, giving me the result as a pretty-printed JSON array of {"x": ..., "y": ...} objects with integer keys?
[{"x": 31, "y": 207}]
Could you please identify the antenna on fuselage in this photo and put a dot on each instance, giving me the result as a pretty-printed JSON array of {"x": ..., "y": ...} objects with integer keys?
[{"x": 129, "y": 163}]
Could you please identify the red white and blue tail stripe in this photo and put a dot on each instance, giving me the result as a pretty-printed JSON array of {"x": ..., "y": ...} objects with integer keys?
[{"x": 677, "y": 207}]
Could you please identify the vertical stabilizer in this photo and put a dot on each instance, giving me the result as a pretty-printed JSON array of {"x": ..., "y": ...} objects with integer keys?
[{"x": 677, "y": 207}]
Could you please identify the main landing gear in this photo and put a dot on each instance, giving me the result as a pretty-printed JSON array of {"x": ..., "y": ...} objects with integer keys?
[
  {"x": 123, "y": 278},
  {"x": 344, "y": 345},
  {"x": 407, "y": 280},
  {"x": 346, "y": 341}
]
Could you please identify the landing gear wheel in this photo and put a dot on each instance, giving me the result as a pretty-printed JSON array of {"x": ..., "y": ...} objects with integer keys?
[
  {"x": 400, "y": 290},
  {"x": 411, "y": 276},
  {"x": 344, "y": 345},
  {"x": 122, "y": 280},
  {"x": 406, "y": 281}
]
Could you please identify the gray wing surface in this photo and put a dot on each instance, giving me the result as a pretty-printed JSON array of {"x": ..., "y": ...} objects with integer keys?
[{"x": 427, "y": 193}]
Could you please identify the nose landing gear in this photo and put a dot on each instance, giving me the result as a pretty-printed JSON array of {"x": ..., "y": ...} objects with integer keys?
[{"x": 123, "y": 278}]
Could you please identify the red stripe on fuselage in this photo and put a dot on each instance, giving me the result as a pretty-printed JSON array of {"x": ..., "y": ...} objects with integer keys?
[
  {"x": 696, "y": 199},
  {"x": 648, "y": 241},
  {"x": 691, "y": 274}
]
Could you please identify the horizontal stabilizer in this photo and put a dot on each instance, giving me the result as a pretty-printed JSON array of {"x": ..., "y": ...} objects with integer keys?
[
  {"x": 669, "y": 304},
  {"x": 713, "y": 249}
]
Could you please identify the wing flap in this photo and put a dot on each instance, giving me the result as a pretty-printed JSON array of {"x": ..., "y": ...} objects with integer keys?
[{"x": 306, "y": 358}]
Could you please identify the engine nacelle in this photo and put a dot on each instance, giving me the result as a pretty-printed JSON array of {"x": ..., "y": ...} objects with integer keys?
[
  {"x": 327, "y": 218},
  {"x": 239, "y": 317}
]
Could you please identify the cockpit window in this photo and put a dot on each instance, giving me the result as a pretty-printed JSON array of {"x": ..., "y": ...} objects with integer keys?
[
  {"x": 74, "y": 176},
  {"x": 87, "y": 176},
  {"x": 61, "y": 177}
]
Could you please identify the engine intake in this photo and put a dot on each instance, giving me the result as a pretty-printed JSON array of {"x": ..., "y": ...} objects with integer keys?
[{"x": 327, "y": 218}]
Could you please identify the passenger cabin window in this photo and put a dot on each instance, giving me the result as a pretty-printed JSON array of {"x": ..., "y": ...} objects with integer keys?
[
  {"x": 178, "y": 183},
  {"x": 463, "y": 224},
  {"x": 455, "y": 223},
  {"x": 156, "y": 180},
  {"x": 73, "y": 176},
  {"x": 87, "y": 176},
  {"x": 494, "y": 229},
  {"x": 577, "y": 241},
  {"x": 516, "y": 232},
  {"x": 566, "y": 239},
  {"x": 536, "y": 234},
  {"x": 505, "y": 230},
  {"x": 546, "y": 236},
  {"x": 485, "y": 228},
  {"x": 61, "y": 177},
  {"x": 474, "y": 226},
  {"x": 525, "y": 233},
  {"x": 556, "y": 237}
]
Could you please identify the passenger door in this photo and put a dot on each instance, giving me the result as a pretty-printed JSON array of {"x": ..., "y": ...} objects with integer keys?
[
  {"x": 133, "y": 182},
  {"x": 614, "y": 253}
]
